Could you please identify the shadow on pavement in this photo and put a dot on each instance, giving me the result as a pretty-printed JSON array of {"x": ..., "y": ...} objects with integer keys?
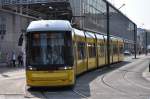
[{"x": 84, "y": 81}]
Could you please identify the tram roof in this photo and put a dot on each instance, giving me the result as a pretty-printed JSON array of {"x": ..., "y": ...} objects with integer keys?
[
  {"x": 89, "y": 35},
  {"x": 49, "y": 25},
  {"x": 99, "y": 36},
  {"x": 79, "y": 32}
]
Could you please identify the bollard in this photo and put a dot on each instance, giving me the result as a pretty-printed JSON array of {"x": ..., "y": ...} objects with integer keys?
[{"x": 149, "y": 66}]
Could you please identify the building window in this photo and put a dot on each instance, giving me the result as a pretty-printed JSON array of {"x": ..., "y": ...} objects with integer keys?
[
  {"x": 2, "y": 26},
  {"x": 2, "y": 29}
]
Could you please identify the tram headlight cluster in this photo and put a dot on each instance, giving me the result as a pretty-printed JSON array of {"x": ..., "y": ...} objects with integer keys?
[
  {"x": 31, "y": 68},
  {"x": 66, "y": 68}
]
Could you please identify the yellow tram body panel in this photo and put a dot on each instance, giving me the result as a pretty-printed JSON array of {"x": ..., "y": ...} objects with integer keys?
[
  {"x": 106, "y": 54},
  {"x": 101, "y": 61},
  {"x": 115, "y": 58},
  {"x": 101, "y": 53},
  {"x": 50, "y": 78},
  {"x": 79, "y": 38},
  {"x": 121, "y": 57},
  {"x": 111, "y": 53},
  {"x": 92, "y": 64},
  {"x": 81, "y": 66},
  {"x": 116, "y": 50},
  {"x": 100, "y": 50},
  {"x": 91, "y": 41},
  {"x": 121, "y": 47}
]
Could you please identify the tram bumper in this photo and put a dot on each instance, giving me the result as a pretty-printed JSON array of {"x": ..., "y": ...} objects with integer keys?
[{"x": 50, "y": 78}]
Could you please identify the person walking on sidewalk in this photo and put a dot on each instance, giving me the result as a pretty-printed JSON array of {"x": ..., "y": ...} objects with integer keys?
[
  {"x": 20, "y": 60},
  {"x": 8, "y": 59},
  {"x": 14, "y": 59}
]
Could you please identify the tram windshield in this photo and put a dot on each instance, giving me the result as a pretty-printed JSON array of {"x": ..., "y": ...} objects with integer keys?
[{"x": 49, "y": 48}]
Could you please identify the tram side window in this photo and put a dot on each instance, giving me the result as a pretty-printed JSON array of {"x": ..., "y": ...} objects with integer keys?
[
  {"x": 103, "y": 50},
  {"x": 92, "y": 50},
  {"x": 115, "y": 50},
  {"x": 121, "y": 49},
  {"x": 100, "y": 50},
  {"x": 81, "y": 50},
  {"x": 111, "y": 49}
]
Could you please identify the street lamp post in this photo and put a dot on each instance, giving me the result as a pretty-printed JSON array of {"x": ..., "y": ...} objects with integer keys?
[
  {"x": 121, "y": 6},
  {"x": 135, "y": 41},
  {"x": 108, "y": 36}
]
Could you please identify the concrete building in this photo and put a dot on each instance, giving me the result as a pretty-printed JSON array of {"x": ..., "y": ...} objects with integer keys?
[
  {"x": 91, "y": 15},
  {"x": 141, "y": 39},
  {"x": 12, "y": 25}
]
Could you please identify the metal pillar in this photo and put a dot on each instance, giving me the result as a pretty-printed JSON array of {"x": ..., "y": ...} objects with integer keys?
[
  {"x": 149, "y": 66},
  {"x": 108, "y": 36},
  {"x": 146, "y": 42},
  {"x": 135, "y": 41}
]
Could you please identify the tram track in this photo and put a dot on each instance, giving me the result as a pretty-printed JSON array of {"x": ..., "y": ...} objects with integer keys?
[
  {"x": 124, "y": 75},
  {"x": 111, "y": 86},
  {"x": 73, "y": 90},
  {"x": 80, "y": 94},
  {"x": 133, "y": 82},
  {"x": 122, "y": 72},
  {"x": 128, "y": 72}
]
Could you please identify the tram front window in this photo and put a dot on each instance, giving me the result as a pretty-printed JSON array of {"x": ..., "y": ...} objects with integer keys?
[{"x": 49, "y": 49}]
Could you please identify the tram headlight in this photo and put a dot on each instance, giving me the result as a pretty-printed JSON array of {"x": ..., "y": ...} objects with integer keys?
[
  {"x": 31, "y": 68},
  {"x": 66, "y": 68}
]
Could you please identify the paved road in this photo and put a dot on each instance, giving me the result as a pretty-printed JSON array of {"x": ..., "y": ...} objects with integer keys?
[{"x": 122, "y": 81}]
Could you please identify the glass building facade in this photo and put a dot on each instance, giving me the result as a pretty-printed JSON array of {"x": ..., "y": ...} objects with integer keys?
[
  {"x": 120, "y": 25},
  {"x": 92, "y": 15}
]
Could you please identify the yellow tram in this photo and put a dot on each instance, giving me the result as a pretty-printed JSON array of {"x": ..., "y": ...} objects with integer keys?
[{"x": 56, "y": 53}]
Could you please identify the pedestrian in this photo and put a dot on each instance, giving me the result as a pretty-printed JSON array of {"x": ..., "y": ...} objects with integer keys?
[
  {"x": 139, "y": 52},
  {"x": 14, "y": 59},
  {"x": 20, "y": 60},
  {"x": 8, "y": 59}
]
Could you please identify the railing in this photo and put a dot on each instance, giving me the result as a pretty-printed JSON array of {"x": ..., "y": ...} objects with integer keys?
[
  {"x": 33, "y": 13},
  {"x": 16, "y": 2}
]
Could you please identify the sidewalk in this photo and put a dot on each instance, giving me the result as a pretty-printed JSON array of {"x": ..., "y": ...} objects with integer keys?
[
  {"x": 2, "y": 65},
  {"x": 146, "y": 74},
  {"x": 4, "y": 68}
]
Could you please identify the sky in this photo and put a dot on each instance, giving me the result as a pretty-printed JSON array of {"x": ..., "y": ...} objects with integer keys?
[{"x": 137, "y": 10}]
